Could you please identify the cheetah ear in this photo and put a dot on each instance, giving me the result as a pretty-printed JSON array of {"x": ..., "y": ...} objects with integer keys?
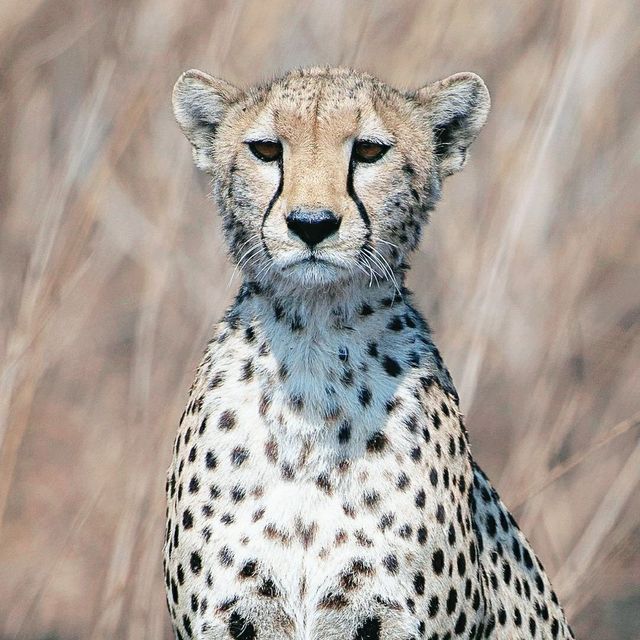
[
  {"x": 200, "y": 101},
  {"x": 457, "y": 108}
]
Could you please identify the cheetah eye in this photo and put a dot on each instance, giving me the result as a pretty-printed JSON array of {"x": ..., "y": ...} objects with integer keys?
[
  {"x": 369, "y": 151},
  {"x": 266, "y": 150}
]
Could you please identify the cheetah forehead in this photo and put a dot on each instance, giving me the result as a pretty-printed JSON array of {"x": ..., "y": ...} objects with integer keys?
[{"x": 343, "y": 102}]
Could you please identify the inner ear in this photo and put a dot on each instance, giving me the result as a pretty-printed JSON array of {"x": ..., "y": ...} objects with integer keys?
[
  {"x": 457, "y": 108},
  {"x": 200, "y": 102}
]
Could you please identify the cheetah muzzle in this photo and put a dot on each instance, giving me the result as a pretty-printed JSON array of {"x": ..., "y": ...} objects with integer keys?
[{"x": 322, "y": 486}]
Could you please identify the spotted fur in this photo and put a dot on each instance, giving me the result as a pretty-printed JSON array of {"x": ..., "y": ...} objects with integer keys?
[{"x": 322, "y": 485}]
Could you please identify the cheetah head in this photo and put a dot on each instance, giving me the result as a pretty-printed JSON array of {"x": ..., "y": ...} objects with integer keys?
[{"x": 327, "y": 175}]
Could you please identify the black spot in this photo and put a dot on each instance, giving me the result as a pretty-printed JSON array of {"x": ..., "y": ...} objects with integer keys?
[
  {"x": 287, "y": 471},
  {"x": 451, "y": 537},
  {"x": 187, "y": 625},
  {"x": 420, "y": 498},
  {"x": 391, "y": 405},
  {"x": 364, "y": 396},
  {"x": 196, "y": 563},
  {"x": 528, "y": 561},
  {"x": 377, "y": 442},
  {"x": 517, "y": 617},
  {"x": 391, "y": 366},
  {"x": 237, "y": 494},
  {"x": 437, "y": 562},
  {"x": 296, "y": 323},
  {"x": 452, "y": 601},
  {"x": 395, "y": 324},
  {"x": 227, "y": 420},
  {"x": 239, "y": 455},
  {"x": 368, "y": 630},
  {"x": 418, "y": 583},
  {"x": 366, "y": 310},
  {"x": 434, "y": 605},
  {"x": 344, "y": 433},
  {"x": 347, "y": 378},
  {"x": 296, "y": 401},
  {"x": 390, "y": 563},
  {"x": 461, "y": 623},
  {"x": 268, "y": 589},
  {"x": 491, "y": 525},
  {"x": 248, "y": 569},
  {"x": 333, "y": 601},
  {"x": 506, "y": 572},
  {"x": 226, "y": 556},
  {"x": 187, "y": 519},
  {"x": 371, "y": 498},
  {"x": 174, "y": 591},
  {"x": 240, "y": 628},
  {"x": 403, "y": 481},
  {"x": 372, "y": 349},
  {"x": 324, "y": 483}
]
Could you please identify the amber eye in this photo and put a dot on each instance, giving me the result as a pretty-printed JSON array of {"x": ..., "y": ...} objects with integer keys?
[
  {"x": 266, "y": 150},
  {"x": 368, "y": 151}
]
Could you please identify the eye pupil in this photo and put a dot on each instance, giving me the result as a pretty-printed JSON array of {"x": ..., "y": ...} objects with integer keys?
[
  {"x": 266, "y": 150},
  {"x": 368, "y": 151}
]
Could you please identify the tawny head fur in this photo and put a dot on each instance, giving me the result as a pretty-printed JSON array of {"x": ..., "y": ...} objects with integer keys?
[{"x": 329, "y": 145}]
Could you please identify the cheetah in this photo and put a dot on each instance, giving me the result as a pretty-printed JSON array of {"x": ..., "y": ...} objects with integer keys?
[{"x": 322, "y": 486}]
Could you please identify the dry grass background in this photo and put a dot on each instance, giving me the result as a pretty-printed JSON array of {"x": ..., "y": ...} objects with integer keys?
[{"x": 113, "y": 271}]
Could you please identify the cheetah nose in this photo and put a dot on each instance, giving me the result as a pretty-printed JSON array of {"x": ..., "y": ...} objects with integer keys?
[{"x": 313, "y": 226}]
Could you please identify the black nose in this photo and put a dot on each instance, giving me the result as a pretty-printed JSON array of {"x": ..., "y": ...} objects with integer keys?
[{"x": 313, "y": 225}]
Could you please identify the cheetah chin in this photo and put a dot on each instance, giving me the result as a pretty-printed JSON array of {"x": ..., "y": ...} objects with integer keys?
[{"x": 322, "y": 486}]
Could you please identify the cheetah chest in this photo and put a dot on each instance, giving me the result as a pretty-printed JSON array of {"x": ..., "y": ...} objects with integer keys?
[{"x": 344, "y": 531}]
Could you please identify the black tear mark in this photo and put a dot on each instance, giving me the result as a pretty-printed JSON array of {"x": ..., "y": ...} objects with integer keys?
[
  {"x": 368, "y": 630},
  {"x": 240, "y": 628},
  {"x": 272, "y": 202},
  {"x": 359, "y": 204}
]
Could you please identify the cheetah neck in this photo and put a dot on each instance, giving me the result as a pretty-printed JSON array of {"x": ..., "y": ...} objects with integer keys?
[{"x": 329, "y": 358}]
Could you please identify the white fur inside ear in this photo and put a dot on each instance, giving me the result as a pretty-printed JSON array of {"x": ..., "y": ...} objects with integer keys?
[
  {"x": 199, "y": 105},
  {"x": 458, "y": 107}
]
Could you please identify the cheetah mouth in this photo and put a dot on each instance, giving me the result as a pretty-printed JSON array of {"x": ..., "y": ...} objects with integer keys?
[
  {"x": 312, "y": 268},
  {"x": 310, "y": 262}
]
